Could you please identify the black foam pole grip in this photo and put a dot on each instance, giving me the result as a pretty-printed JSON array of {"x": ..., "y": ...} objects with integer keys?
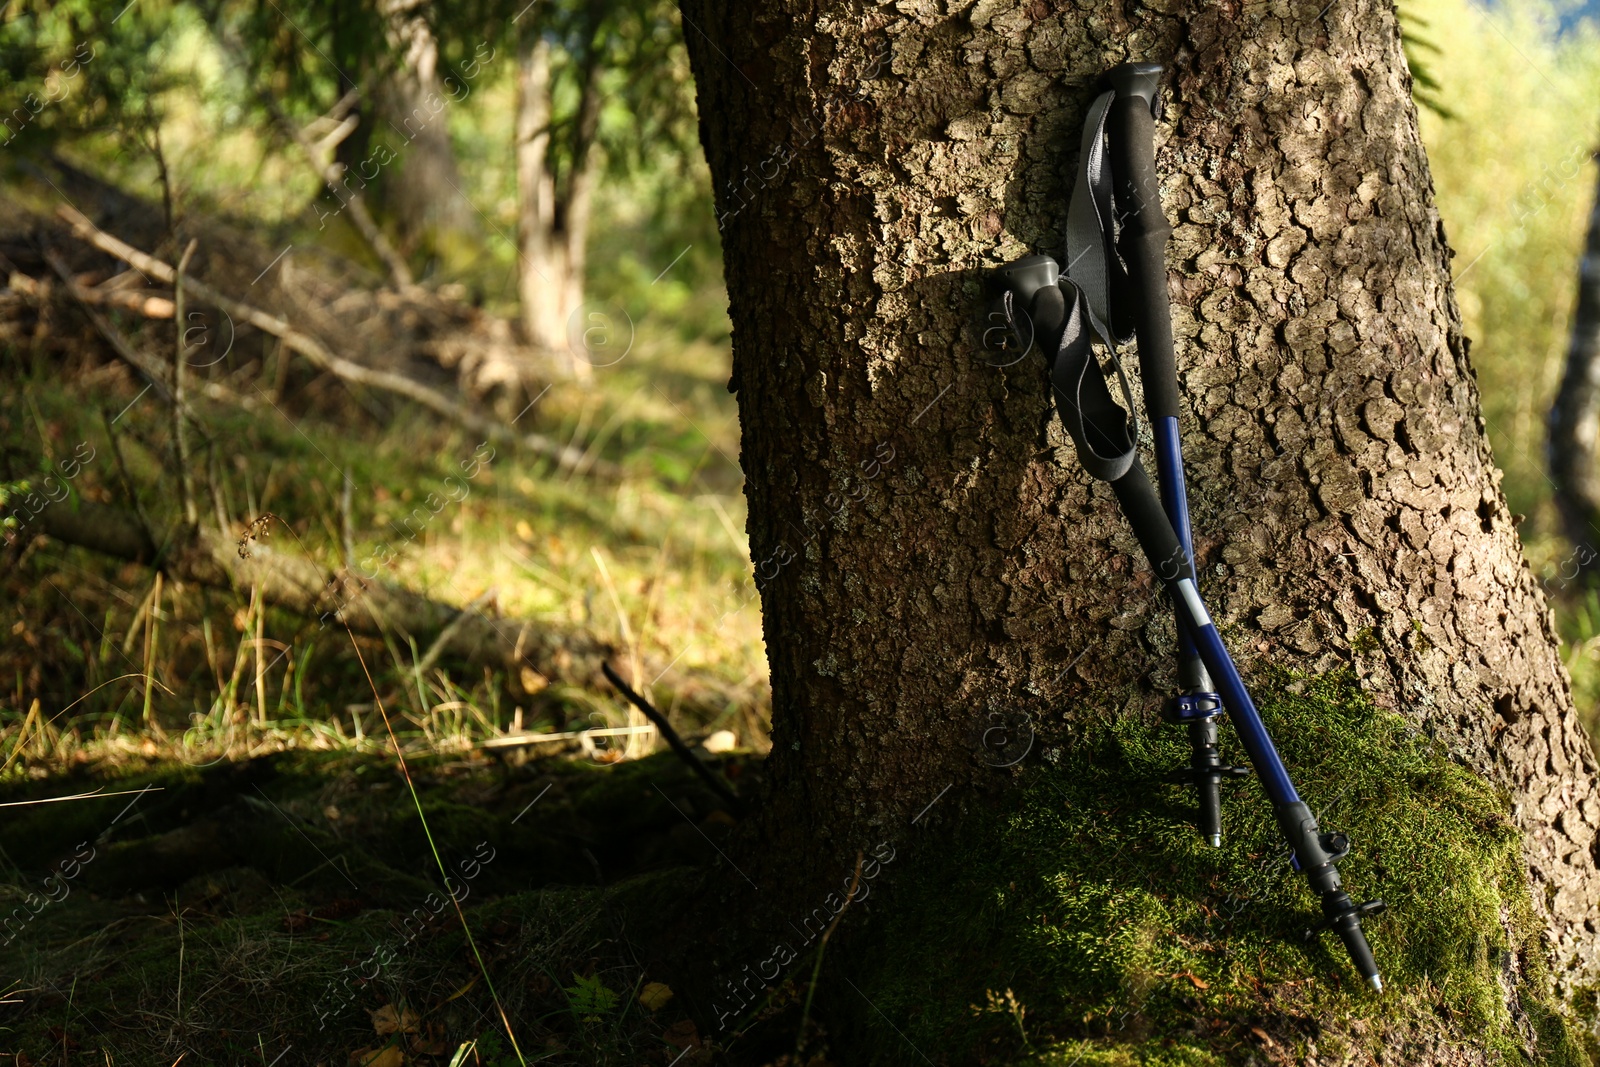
[
  {"x": 1210, "y": 820},
  {"x": 1143, "y": 246},
  {"x": 1142, "y": 506}
]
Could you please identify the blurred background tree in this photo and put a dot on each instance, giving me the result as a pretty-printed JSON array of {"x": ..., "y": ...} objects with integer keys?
[
  {"x": 1513, "y": 180},
  {"x": 476, "y": 134}
]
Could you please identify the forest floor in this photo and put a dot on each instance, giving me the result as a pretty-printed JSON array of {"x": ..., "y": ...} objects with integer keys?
[
  {"x": 294, "y": 906},
  {"x": 265, "y": 876}
]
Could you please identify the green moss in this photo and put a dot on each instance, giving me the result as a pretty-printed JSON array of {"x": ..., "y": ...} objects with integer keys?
[
  {"x": 41, "y": 834},
  {"x": 1126, "y": 940},
  {"x": 1087, "y": 1054}
]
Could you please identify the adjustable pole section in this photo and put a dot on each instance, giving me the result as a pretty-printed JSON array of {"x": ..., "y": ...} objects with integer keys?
[
  {"x": 1315, "y": 853},
  {"x": 1141, "y": 241}
]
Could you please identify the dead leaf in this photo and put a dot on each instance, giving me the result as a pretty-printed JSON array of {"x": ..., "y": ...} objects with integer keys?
[
  {"x": 462, "y": 991},
  {"x": 1199, "y": 983},
  {"x": 388, "y": 1056},
  {"x": 533, "y": 681},
  {"x": 654, "y": 995},
  {"x": 682, "y": 1034},
  {"x": 387, "y": 1020},
  {"x": 428, "y": 1046},
  {"x": 1263, "y": 1035}
]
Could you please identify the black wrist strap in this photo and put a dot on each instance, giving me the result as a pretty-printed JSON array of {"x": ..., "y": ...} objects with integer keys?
[{"x": 1104, "y": 433}]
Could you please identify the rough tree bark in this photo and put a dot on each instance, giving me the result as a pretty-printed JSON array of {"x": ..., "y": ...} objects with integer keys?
[
  {"x": 931, "y": 550},
  {"x": 1574, "y": 447}
]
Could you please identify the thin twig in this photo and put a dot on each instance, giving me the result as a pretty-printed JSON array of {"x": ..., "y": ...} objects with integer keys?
[
  {"x": 127, "y": 482},
  {"x": 179, "y": 354},
  {"x": 214, "y": 478},
  {"x": 83, "y": 796},
  {"x": 816, "y": 970},
  {"x": 361, "y": 219},
  {"x": 154, "y": 145},
  {"x": 422, "y": 817},
  {"x": 150, "y": 368},
  {"x": 683, "y": 751},
  {"x": 347, "y": 542}
]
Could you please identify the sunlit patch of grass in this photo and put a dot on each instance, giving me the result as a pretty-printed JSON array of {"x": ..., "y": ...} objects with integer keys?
[{"x": 656, "y": 563}]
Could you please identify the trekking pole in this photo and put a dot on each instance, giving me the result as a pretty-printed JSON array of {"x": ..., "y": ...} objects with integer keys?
[
  {"x": 1104, "y": 435},
  {"x": 1141, "y": 240}
]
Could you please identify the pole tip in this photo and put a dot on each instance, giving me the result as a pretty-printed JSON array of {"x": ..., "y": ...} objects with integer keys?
[
  {"x": 1376, "y": 983},
  {"x": 1216, "y": 840}
]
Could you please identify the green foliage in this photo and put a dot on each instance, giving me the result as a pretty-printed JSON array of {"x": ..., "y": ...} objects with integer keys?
[
  {"x": 1514, "y": 183},
  {"x": 590, "y": 999},
  {"x": 649, "y": 113},
  {"x": 9, "y": 491},
  {"x": 117, "y": 85},
  {"x": 1513, "y": 186},
  {"x": 1425, "y": 87},
  {"x": 68, "y": 69},
  {"x": 491, "y": 1052},
  {"x": 1091, "y": 898}
]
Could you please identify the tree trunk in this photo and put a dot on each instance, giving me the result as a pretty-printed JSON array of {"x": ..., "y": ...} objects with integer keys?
[
  {"x": 541, "y": 278},
  {"x": 573, "y": 218},
  {"x": 1575, "y": 419},
  {"x": 553, "y": 211},
  {"x": 424, "y": 194},
  {"x": 936, "y": 566}
]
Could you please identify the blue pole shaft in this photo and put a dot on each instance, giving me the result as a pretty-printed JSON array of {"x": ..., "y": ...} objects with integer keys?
[
  {"x": 1246, "y": 719},
  {"x": 1175, "y": 502}
]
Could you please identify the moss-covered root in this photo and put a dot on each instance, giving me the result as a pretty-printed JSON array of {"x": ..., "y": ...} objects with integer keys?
[{"x": 1085, "y": 923}]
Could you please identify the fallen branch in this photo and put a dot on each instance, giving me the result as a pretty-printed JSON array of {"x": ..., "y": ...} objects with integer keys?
[
  {"x": 150, "y": 305},
  {"x": 681, "y": 750},
  {"x": 314, "y": 350},
  {"x": 152, "y": 370},
  {"x": 525, "y": 740}
]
